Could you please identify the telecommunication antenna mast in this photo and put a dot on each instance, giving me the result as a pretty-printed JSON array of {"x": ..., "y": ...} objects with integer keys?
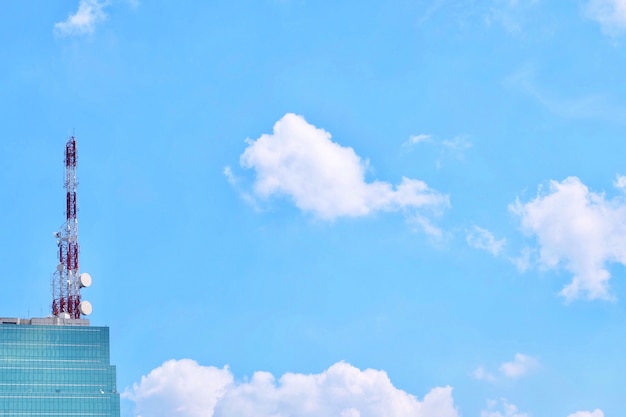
[{"x": 67, "y": 280}]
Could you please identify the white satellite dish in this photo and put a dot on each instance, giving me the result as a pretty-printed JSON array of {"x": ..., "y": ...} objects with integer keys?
[
  {"x": 85, "y": 308},
  {"x": 84, "y": 280},
  {"x": 60, "y": 267}
]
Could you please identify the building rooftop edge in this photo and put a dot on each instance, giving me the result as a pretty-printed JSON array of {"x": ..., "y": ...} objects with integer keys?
[{"x": 45, "y": 321}]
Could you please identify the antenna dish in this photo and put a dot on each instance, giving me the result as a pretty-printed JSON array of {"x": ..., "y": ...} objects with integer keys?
[
  {"x": 85, "y": 308},
  {"x": 60, "y": 267},
  {"x": 84, "y": 280}
]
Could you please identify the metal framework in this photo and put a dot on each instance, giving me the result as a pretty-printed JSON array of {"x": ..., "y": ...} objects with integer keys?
[{"x": 66, "y": 279}]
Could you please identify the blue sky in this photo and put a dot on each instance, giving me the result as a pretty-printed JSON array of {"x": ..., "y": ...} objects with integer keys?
[{"x": 298, "y": 208}]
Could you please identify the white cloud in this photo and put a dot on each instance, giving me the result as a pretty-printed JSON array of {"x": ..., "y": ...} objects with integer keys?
[
  {"x": 513, "y": 15},
  {"x": 457, "y": 146},
  {"x": 328, "y": 180},
  {"x": 611, "y": 14},
  {"x": 620, "y": 182},
  {"x": 589, "y": 106},
  {"x": 482, "y": 375},
  {"x": 506, "y": 410},
  {"x": 89, "y": 13},
  {"x": 595, "y": 413},
  {"x": 480, "y": 238},
  {"x": 187, "y": 389},
  {"x": 523, "y": 261},
  {"x": 454, "y": 148},
  {"x": 414, "y": 139},
  {"x": 180, "y": 388},
  {"x": 230, "y": 177},
  {"x": 235, "y": 183},
  {"x": 578, "y": 230},
  {"x": 520, "y": 366}
]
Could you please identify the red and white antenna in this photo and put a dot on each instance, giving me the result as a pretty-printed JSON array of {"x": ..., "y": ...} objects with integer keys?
[{"x": 67, "y": 280}]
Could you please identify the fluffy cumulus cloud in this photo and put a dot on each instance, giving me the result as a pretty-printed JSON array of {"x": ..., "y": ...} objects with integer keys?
[
  {"x": 480, "y": 238},
  {"x": 595, "y": 413},
  {"x": 611, "y": 14},
  {"x": 579, "y": 230},
  {"x": 84, "y": 21},
  {"x": 326, "y": 179},
  {"x": 186, "y": 389},
  {"x": 180, "y": 388}
]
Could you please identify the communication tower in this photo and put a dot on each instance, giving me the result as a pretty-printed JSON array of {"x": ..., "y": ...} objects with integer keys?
[{"x": 67, "y": 279}]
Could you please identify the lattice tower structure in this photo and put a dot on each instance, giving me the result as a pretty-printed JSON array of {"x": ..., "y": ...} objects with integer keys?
[{"x": 66, "y": 280}]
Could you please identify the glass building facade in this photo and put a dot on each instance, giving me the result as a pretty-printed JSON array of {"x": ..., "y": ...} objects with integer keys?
[{"x": 56, "y": 367}]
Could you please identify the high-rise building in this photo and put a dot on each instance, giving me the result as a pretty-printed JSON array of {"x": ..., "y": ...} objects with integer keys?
[
  {"x": 59, "y": 366},
  {"x": 56, "y": 367}
]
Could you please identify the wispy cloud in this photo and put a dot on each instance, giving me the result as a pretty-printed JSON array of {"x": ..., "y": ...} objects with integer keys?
[
  {"x": 186, "y": 389},
  {"x": 501, "y": 408},
  {"x": 523, "y": 262},
  {"x": 611, "y": 14},
  {"x": 512, "y": 15},
  {"x": 578, "y": 230},
  {"x": 326, "y": 179},
  {"x": 482, "y": 374},
  {"x": 84, "y": 21},
  {"x": 457, "y": 146},
  {"x": 236, "y": 184},
  {"x": 620, "y": 182},
  {"x": 454, "y": 148},
  {"x": 480, "y": 238},
  {"x": 415, "y": 139},
  {"x": 591, "y": 106},
  {"x": 594, "y": 413},
  {"x": 520, "y": 366}
]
